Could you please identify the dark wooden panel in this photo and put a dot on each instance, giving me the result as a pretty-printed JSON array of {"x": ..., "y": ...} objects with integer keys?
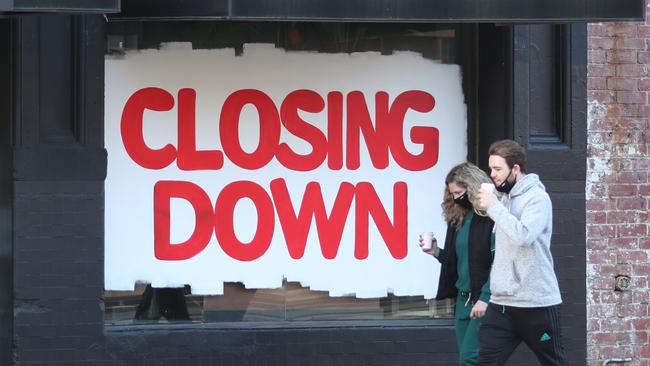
[
  {"x": 576, "y": 88},
  {"x": 62, "y": 6},
  {"x": 557, "y": 163},
  {"x": 56, "y": 87},
  {"x": 58, "y": 111},
  {"x": 59, "y": 163},
  {"x": 25, "y": 94},
  {"x": 388, "y": 10},
  {"x": 6, "y": 192},
  {"x": 542, "y": 65},
  {"x": 513, "y": 98},
  {"x": 89, "y": 100},
  {"x": 546, "y": 84},
  {"x": 57, "y": 188},
  {"x": 560, "y": 164}
]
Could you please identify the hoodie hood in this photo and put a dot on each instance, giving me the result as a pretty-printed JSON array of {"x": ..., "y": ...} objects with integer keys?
[{"x": 527, "y": 182}]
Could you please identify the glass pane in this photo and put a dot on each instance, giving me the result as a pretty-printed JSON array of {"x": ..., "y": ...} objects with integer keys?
[
  {"x": 291, "y": 302},
  {"x": 433, "y": 41}
]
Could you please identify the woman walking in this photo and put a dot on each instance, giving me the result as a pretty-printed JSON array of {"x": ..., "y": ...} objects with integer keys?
[{"x": 467, "y": 256}]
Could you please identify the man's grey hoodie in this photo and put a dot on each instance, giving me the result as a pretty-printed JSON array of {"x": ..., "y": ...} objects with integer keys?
[{"x": 522, "y": 272}]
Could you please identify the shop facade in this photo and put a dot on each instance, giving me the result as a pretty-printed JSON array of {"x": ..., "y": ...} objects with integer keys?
[{"x": 62, "y": 73}]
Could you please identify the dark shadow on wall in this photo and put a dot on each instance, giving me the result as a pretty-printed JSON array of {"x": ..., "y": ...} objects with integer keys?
[{"x": 6, "y": 253}]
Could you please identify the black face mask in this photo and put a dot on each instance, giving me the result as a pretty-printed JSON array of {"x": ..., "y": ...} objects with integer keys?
[
  {"x": 506, "y": 186},
  {"x": 463, "y": 201}
]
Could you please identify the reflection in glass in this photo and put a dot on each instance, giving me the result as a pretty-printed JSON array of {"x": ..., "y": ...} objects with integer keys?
[{"x": 291, "y": 302}]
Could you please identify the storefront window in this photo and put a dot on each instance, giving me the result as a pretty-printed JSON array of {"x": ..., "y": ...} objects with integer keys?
[{"x": 291, "y": 302}]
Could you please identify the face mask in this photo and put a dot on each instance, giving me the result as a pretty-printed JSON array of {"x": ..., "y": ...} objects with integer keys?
[
  {"x": 506, "y": 186},
  {"x": 463, "y": 201}
]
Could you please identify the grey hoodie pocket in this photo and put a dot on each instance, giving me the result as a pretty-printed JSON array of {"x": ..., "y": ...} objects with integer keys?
[
  {"x": 515, "y": 274},
  {"x": 506, "y": 281},
  {"x": 512, "y": 281}
]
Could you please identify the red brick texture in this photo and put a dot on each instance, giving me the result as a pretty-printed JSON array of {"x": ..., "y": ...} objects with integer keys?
[{"x": 618, "y": 191}]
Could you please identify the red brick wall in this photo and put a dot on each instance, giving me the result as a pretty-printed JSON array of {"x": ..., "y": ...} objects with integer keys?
[{"x": 618, "y": 192}]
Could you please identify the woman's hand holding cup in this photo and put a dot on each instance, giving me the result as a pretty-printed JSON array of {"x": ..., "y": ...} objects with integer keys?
[{"x": 429, "y": 244}]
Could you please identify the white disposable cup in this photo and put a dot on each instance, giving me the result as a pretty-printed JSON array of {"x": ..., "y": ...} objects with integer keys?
[
  {"x": 489, "y": 187},
  {"x": 427, "y": 240}
]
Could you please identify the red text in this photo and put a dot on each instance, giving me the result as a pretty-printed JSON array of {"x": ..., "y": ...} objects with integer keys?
[
  {"x": 382, "y": 136},
  {"x": 295, "y": 222}
]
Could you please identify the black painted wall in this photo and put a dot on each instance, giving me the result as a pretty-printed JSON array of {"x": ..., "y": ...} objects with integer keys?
[
  {"x": 6, "y": 261},
  {"x": 556, "y": 59},
  {"x": 540, "y": 72},
  {"x": 59, "y": 167}
]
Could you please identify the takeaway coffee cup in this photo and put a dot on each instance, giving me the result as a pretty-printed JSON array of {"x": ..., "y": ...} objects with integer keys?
[
  {"x": 488, "y": 187},
  {"x": 427, "y": 240}
]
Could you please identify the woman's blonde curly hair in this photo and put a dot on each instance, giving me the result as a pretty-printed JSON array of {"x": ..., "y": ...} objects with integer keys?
[{"x": 467, "y": 176}]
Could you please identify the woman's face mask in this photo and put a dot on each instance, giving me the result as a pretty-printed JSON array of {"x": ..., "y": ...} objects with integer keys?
[{"x": 463, "y": 201}]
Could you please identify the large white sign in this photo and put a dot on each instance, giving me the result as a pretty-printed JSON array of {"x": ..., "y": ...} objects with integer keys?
[{"x": 311, "y": 167}]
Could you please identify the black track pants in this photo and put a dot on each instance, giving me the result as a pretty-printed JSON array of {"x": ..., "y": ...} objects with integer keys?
[{"x": 504, "y": 327}]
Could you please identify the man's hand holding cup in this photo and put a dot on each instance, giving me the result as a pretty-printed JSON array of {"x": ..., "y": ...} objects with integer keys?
[
  {"x": 429, "y": 244},
  {"x": 486, "y": 196}
]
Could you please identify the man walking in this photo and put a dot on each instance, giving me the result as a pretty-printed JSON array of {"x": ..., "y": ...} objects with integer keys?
[{"x": 525, "y": 295}]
